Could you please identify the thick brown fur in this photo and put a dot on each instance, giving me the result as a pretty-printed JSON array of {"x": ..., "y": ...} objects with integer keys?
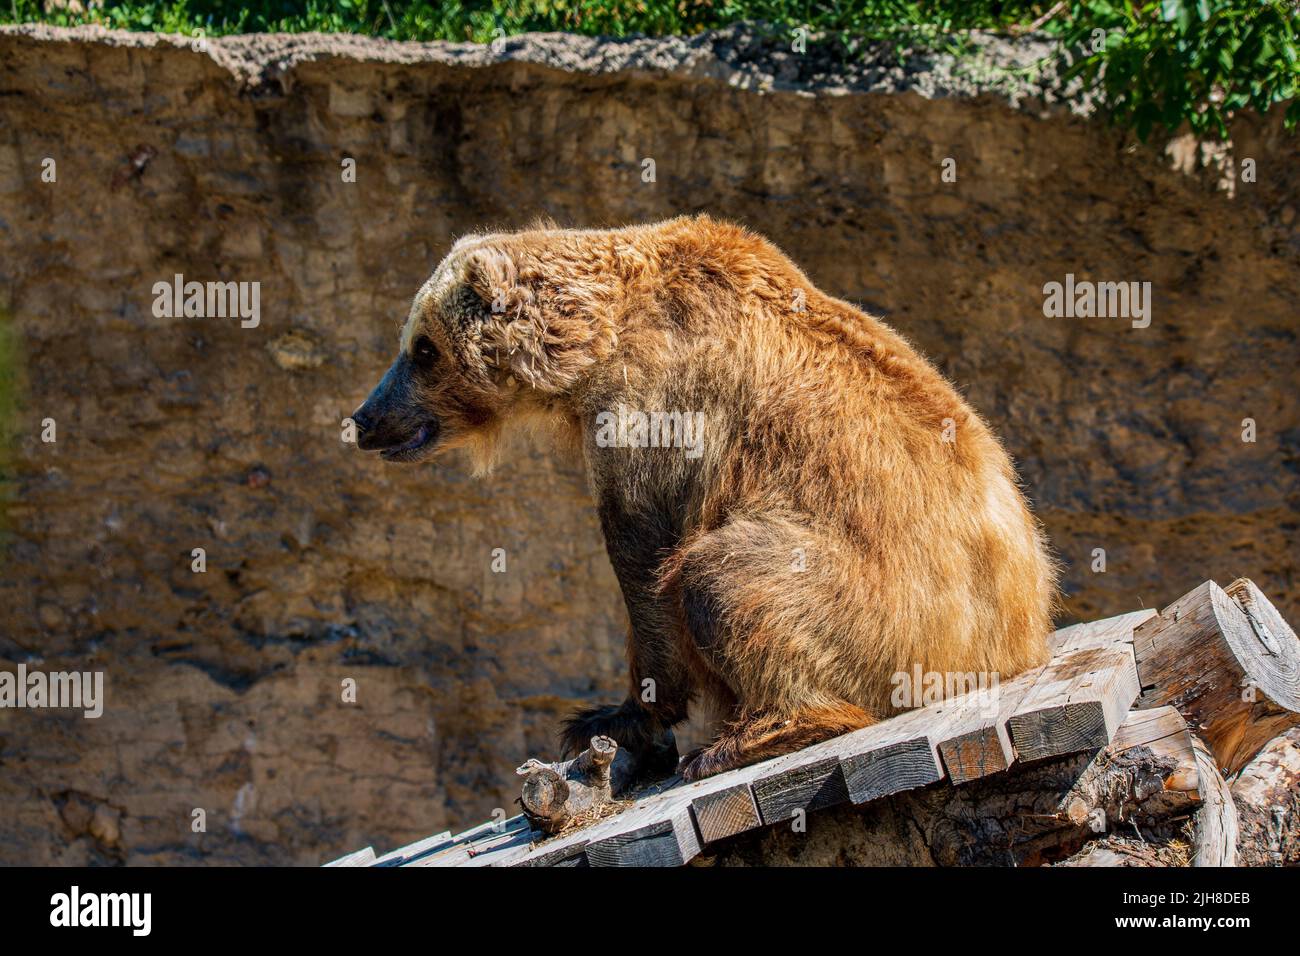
[{"x": 850, "y": 517}]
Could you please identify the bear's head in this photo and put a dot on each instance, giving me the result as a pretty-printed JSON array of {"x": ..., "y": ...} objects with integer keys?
[{"x": 500, "y": 332}]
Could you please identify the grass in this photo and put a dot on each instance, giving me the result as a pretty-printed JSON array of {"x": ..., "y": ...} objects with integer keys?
[{"x": 1154, "y": 63}]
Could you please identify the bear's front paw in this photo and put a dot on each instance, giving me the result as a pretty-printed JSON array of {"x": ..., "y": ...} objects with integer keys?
[{"x": 703, "y": 762}]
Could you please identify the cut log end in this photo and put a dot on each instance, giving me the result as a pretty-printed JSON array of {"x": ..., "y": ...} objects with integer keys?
[
  {"x": 1230, "y": 664},
  {"x": 543, "y": 797}
]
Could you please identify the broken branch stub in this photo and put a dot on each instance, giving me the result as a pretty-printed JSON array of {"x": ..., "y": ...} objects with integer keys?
[{"x": 554, "y": 794}]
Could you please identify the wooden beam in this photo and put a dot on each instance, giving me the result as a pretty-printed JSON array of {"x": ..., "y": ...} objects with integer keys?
[
  {"x": 1229, "y": 663},
  {"x": 419, "y": 848},
  {"x": 812, "y": 782},
  {"x": 726, "y": 812},
  {"x": 1107, "y": 631},
  {"x": 465, "y": 846},
  {"x": 661, "y": 833},
  {"x": 1077, "y": 703},
  {"x": 983, "y": 745}
]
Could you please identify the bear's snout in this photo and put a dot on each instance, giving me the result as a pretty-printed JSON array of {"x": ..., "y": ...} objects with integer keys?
[{"x": 390, "y": 423}]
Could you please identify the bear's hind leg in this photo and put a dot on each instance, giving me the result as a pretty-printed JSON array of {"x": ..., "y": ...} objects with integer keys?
[{"x": 770, "y": 606}]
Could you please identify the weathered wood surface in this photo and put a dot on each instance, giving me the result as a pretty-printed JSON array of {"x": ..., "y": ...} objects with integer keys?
[
  {"x": 1077, "y": 705},
  {"x": 364, "y": 857},
  {"x": 726, "y": 812},
  {"x": 1228, "y": 662},
  {"x": 556, "y": 795},
  {"x": 1077, "y": 702},
  {"x": 471, "y": 847},
  {"x": 1267, "y": 796},
  {"x": 419, "y": 848},
  {"x": 1167, "y": 773},
  {"x": 1035, "y": 813},
  {"x": 669, "y": 825},
  {"x": 1102, "y": 633},
  {"x": 895, "y": 755},
  {"x": 1216, "y": 821},
  {"x": 984, "y": 746}
]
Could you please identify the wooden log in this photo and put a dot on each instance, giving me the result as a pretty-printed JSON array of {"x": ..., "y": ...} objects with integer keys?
[
  {"x": 556, "y": 795},
  {"x": 1145, "y": 777},
  {"x": 1267, "y": 796},
  {"x": 1119, "y": 850},
  {"x": 1229, "y": 663},
  {"x": 1163, "y": 733},
  {"x": 1077, "y": 703},
  {"x": 1216, "y": 821}
]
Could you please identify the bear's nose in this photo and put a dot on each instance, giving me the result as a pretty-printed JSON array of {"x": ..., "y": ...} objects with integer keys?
[{"x": 362, "y": 420}]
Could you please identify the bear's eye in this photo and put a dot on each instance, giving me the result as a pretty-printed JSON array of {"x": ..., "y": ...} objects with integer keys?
[{"x": 425, "y": 351}]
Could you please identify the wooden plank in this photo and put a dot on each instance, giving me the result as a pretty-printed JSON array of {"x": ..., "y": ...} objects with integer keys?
[
  {"x": 1109, "y": 630},
  {"x": 464, "y": 846},
  {"x": 659, "y": 833},
  {"x": 419, "y": 848},
  {"x": 982, "y": 746},
  {"x": 725, "y": 812},
  {"x": 814, "y": 781},
  {"x": 364, "y": 857},
  {"x": 1077, "y": 703},
  {"x": 500, "y": 849},
  {"x": 567, "y": 850},
  {"x": 904, "y": 754},
  {"x": 571, "y": 848}
]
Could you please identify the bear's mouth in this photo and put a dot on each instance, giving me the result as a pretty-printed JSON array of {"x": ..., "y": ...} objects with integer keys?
[{"x": 410, "y": 449}]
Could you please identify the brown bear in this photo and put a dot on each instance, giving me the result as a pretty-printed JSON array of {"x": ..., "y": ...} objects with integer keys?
[{"x": 797, "y": 505}]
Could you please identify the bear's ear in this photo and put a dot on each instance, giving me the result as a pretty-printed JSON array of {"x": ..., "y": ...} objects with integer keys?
[
  {"x": 492, "y": 276},
  {"x": 518, "y": 339}
]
